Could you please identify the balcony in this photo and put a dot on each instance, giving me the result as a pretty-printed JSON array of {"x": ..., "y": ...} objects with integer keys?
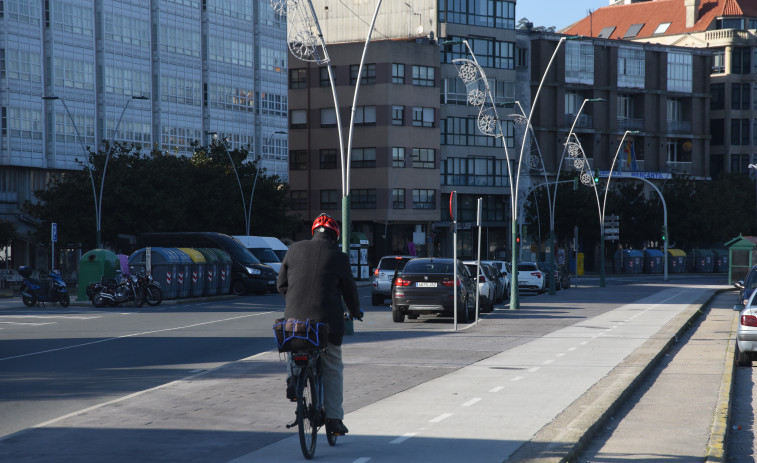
[
  {"x": 627, "y": 123},
  {"x": 678, "y": 167},
  {"x": 584, "y": 121},
  {"x": 727, "y": 34},
  {"x": 679, "y": 126}
]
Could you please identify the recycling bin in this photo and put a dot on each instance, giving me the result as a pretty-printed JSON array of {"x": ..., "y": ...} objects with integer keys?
[
  {"x": 653, "y": 262},
  {"x": 196, "y": 272},
  {"x": 93, "y": 267}
]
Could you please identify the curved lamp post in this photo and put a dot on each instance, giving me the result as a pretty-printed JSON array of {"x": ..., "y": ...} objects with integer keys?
[
  {"x": 306, "y": 42},
  {"x": 588, "y": 179},
  {"x": 98, "y": 201},
  {"x": 236, "y": 173},
  {"x": 257, "y": 174},
  {"x": 489, "y": 123}
]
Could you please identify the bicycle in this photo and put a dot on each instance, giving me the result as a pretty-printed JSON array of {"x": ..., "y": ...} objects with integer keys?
[{"x": 310, "y": 414}]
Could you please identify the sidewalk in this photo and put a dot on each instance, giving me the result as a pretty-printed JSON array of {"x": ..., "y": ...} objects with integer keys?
[{"x": 501, "y": 390}]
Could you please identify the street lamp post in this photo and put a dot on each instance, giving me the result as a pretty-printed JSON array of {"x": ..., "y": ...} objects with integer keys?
[
  {"x": 236, "y": 173},
  {"x": 479, "y": 94},
  {"x": 97, "y": 200},
  {"x": 753, "y": 166},
  {"x": 257, "y": 174}
]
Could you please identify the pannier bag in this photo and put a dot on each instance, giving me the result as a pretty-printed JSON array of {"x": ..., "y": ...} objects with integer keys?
[{"x": 294, "y": 335}]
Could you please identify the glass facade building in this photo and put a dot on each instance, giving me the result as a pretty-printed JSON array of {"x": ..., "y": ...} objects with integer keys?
[{"x": 162, "y": 74}]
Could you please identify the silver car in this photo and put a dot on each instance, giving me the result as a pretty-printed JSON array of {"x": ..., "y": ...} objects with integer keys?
[
  {"x": 384, "y": 275},
  {"x": 746, "y": 336}
]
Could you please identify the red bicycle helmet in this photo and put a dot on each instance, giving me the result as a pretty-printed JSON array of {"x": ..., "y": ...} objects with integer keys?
[{"x": 325, "y": 220}]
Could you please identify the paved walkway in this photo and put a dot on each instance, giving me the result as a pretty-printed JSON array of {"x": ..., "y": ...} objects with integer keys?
[{"x": 476, "y": 395}]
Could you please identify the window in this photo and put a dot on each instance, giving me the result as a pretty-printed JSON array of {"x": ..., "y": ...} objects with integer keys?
[
  {"x": 625, "y": 107},
  {"x": 328, "y": 117},
  {"x": 631, "y": 67},
  {"x": 328, "y": 159},
  {"x": 298, "y": 78},
  {"x": 398, "y": 157},
  {"x": 363, "y": 157},
  {"x": 298, "y": 200},
  {"x": 579, "y": 63},
  {"x": 717, "y": 101},
  {"x": 463, "y": 131},
  {"x": 679, "y": 150},
  {"x": 365, "y": 115},
  {"x": 633, "y": 30},
  {"x": 398, "y": 115},
  {"x": 424, "y": 199},
  {"x": 740, "y": 95},
  {"x": 323, "y": 77},
  {"x": 298, "y": 160},
  {"x": 424, "y": 76},
  {"x": 474, "y": 171},
  {"x": 298, "y": 119},
  {"x": 741, "y": 60},
  {"x": 679, "y": 72},
  {"x": 718, "y": 61},
  {"x": 398, "y": 198},
  {"x": 398, "y": 73},
  {"x": 675, "y": 109},
  {"x": 521, "y": 57},
  {"x": 730, "y": 23},
  {"x": 606, "y": 32},
  {"x": 739, "y": 131},
  {"x": 363, "y": 199},
  {"x": 368, "y": 76},
  {"x": 423, "y": 117},
  {"x": 661, "y": 29},
  {"x": 490, "y": 13},
  {"x": 329, "y": 199},
  {"x": 717, "y": 130},
  {"x": 424, "y": 158},
  {"x": 489, "y": 53}
]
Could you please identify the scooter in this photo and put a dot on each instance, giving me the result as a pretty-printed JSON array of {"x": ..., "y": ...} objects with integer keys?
[{"x": 49, "y": 288}]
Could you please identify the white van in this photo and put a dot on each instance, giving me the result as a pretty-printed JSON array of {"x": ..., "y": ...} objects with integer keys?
[
  {"x": 260, "y": 248},
  {"x": 278, "y": 246}
]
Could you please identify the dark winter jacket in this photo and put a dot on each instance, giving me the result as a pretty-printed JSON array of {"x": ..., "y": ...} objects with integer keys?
[{"x": 314, "y": 277}]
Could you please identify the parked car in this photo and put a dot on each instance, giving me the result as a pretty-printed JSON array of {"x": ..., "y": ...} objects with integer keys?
[
  {"x": 544, "y": 267},
  {"x": 747, "y": 285},
  {"x": 746, "y": 335},
  {"x": 530, "y": 278},
  {"x": 426, "y": 286},
  {"x": 504, "y": 270},
  {"x": 487, "y": 287},
  {"x": 388, "y": 267}
]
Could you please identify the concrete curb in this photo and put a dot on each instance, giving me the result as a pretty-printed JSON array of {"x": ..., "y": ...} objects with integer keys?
[
  {"x": 716, "y": 448},
  {"x": 563, "y": 439}
]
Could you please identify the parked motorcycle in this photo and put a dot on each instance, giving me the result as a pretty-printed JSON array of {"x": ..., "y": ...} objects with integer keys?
[
  {"x": 151, "y": 291},
  {"x": 49, "y": 288},
  {"x": 123, "y": 288}
]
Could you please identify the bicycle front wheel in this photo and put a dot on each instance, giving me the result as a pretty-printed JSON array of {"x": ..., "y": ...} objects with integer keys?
[{"x": 307, "y": 414}]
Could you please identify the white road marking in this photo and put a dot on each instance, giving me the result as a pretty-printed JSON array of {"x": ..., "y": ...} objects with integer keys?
[
  {"x": 471, "y": 402},
  {"x": 26, "y": 323},
  {"x": 362, "y": 460},
  {"x": 440, "y": 418},
  {"x": 131, "y": 336},
  {"x": 530, "y": 370},
  {"x": 403, "y": 438},
  {"x": 517, "y": 378},
  {"x": 547, "y": 362},
  {"x": 497, "y": 389}
]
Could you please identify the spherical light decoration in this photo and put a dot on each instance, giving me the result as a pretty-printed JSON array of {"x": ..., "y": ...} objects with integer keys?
[
  {"x": 487, "y": 123},
  {"x": 279, "y": 6},
  {"x": 586, "y": 178},
  {"x": 574, "y": 149},
  {"x": 304, "y": 44},
  {"x": 534, "y": 162},
  {"x": 476, "y": 97},
  {"x": 520, "y": 120},
  {"x": 578, "y": 164},
  {"x": 468, "y": 72}
]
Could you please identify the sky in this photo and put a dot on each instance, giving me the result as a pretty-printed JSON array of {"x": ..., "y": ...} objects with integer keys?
[{"x": 558, "y": 13}]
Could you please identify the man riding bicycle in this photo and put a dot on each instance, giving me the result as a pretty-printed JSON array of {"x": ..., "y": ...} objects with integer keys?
[{"x": 315, "y": 277}]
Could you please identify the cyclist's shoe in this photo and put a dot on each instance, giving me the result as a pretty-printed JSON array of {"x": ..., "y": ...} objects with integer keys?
[
  {"x": 292, "y": 388},
  {"x": 336, "y": 427}
]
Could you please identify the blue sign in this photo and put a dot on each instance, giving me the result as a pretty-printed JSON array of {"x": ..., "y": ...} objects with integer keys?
[{"x": 54, "y": 232}]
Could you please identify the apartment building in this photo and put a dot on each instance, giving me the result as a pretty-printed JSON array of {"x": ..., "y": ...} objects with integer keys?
[
  {"x": 726, "y": 28},
  {"x": 160, "y": 74}
]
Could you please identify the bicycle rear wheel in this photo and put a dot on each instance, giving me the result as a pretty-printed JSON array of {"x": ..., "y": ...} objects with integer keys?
[{"x": 307, "y": 415}]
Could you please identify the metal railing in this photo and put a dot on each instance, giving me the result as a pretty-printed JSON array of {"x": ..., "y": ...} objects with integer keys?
[
  {"x": 678, "y": 167},
  {"x": 627, "y": 123},
  {"x": 584, "y": 121},
  {"x": 679, "y": 126}
]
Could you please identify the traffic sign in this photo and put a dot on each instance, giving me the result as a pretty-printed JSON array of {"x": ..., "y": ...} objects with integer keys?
[
  {"x": 611, "y": 237},
  {"x": 612, "y": 218},
  {"x": 612, "y": 231},
  {"x": 54, "y": 232}
]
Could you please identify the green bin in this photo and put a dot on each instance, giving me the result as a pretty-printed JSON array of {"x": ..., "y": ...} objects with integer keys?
[{"x": 93, "y": 266}]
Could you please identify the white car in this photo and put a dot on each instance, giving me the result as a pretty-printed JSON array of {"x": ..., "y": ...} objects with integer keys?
[
  {"x": 487, "y": 289},
  {"x": 746, "y": 336},
  {"x": 530, "y": 278},
  {"x": 502, "y": 268}
]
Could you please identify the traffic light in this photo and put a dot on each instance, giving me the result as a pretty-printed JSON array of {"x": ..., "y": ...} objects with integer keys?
[
  {"x": 664, "y": 233},
  {"x": 596, "y": 175}
]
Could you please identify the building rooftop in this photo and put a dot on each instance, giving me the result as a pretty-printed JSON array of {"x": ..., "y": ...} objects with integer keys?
[{"x": 657, "y": 18}]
